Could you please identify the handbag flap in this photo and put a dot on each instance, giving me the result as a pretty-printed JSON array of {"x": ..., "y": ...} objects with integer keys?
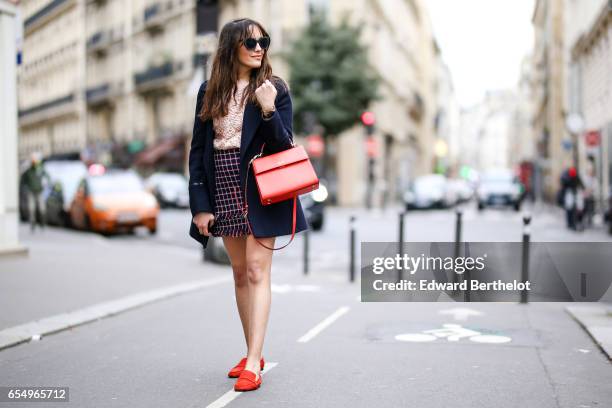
[{"x": 280, "y": 159}]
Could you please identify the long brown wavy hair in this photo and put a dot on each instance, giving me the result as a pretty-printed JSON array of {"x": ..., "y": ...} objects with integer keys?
[{"x": 222, "y": 84}]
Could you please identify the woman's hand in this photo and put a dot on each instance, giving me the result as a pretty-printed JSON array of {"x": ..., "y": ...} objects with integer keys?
[
  {"x": 266, "y": 94},
  {"x": 201, "y": 220}
]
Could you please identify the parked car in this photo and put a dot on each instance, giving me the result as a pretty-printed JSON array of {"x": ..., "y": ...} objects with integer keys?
[
  {"x": 170, "y": 189},
  {"x": 111, "y": 200},
  {"x": 430, "y": 191},
  {"x": 313, "y": 204},
  {"x": 499, "y": 187},
  {"x": 65, "y": 176}
]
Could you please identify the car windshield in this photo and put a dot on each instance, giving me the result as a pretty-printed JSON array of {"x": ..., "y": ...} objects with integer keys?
[
  {"x": 115, "y": 183},
  {"x": 171, "y": 181},
  {"x": 429, "y": 183},
  {"x": 497, "y": 178},
  {"x": 67, "y": 174}
]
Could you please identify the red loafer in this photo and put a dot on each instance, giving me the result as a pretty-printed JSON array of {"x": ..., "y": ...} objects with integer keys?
[
  {"x": 247, "y": 382},
  {"x": 237, "y": 369}
]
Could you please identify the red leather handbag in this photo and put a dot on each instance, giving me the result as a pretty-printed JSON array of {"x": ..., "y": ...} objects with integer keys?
[{"x": 281, "y": 176}]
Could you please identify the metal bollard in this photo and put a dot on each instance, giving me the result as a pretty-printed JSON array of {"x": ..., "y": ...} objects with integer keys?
[
  {"x": 352, "y": 249},
  {"x": 306, "y": 249},
  {"x": 400, "y": 245},
  {"x": 525, "y": 256},
  {"x": 458, "y": 222}
]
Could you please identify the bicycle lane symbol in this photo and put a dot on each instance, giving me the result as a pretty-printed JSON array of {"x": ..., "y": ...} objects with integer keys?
[{"x": 452, "y": 332}]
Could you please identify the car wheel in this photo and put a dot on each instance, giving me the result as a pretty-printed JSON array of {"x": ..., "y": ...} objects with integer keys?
[
  {"x": 517, "y": 207},
  {"x": 317, "y": 225},
  {"x": 480, "y": 206},
  {"x": 86, "y": 223},
  {"x": 153, "y": 231},
  {"x": 66, "y": 221}
]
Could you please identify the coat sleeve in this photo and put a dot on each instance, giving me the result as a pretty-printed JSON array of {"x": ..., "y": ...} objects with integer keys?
[
  {"x": 199, "y": 197},
  {"x": 278, "y": 128}
]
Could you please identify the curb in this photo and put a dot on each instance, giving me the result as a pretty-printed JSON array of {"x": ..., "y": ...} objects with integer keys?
[
  {"x": 35, "y": 330},
  {"x": 597, "y": 321}
]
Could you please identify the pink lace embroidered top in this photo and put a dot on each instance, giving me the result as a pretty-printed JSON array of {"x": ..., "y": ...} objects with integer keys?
[{"x": 228, "y": 129}]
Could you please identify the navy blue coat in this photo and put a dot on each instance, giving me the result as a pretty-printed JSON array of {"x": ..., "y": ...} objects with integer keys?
[{"x": 266, "y": 220}]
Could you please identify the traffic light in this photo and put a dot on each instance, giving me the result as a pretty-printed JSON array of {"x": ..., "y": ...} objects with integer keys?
[{"x": 368, "y": 119}]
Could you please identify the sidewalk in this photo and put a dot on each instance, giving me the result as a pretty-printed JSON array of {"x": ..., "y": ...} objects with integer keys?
[
  {"x": 596, "y": 319},
  {"x": 75, "y": 277}
]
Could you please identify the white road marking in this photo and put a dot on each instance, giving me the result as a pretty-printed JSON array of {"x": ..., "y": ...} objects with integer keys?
[
  {"x": 460, "y": 313},
  {"x": 321, "y": 326},
  {"x": 49, "y": 325},
  {"x": 490, "y": 338},
  {"x": 232, "y": 395},
  {"x": 452, "y": 332}
]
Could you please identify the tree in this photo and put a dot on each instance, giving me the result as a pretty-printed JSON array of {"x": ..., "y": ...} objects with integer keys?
[{"x": 331, "y": 80}]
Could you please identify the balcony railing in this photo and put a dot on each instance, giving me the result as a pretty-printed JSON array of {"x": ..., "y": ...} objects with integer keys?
[
  {"x": 199, "y": 60},
  {"x": 46, "y": 106},
  {"x": 46, "y": 11},
  {"x": 95, "y": 39},
  {"x": 151, "y": 11},
  {"x": 98, "y": 94},
  {"x": 154, "y": 76},
  {"x": 417, "y": 107}
]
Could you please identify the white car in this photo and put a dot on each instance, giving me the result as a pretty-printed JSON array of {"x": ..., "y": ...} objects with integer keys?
[
  {"x": 170, "y": 189},
  {"x": 430, "y": 191},
  {"x": 499, "y": 187}
]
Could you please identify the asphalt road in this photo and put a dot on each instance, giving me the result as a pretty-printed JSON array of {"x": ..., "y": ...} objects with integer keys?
[{"x": 323, "y": 346}]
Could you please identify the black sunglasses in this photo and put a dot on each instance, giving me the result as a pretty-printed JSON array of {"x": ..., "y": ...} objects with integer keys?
[{"x": 251, "y": 43}]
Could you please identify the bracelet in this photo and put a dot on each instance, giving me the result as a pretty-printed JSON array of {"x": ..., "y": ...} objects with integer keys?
[{"x": 268, "y": 114}]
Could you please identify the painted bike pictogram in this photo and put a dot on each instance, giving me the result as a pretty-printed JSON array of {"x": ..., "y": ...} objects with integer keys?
[{"x": 452, "y": 332}]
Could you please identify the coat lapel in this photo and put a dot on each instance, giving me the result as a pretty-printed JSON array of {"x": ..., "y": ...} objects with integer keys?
[{"x": 250, "y": 122}]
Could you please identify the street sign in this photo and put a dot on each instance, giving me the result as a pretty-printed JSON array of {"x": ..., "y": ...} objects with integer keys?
[
  {"x": 566, "y": 144},
  {"x": 368, "y": 118},
  {"x": 592, "y": 138},
  {"x": 371, "y": 147},
  {"x": 315, "y": 145},
  {"x": 574, "y": 123}
]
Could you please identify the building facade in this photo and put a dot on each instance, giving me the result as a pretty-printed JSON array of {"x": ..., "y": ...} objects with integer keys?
[
  {"x": 102, "y": 73},
  {"x": 558, "y": 24},
  {"x": 592, "y": 65},
  {"x": 554, "y": 146},
  {"x": 9, "y": 227},
  {"x": 97, "y": 73}
]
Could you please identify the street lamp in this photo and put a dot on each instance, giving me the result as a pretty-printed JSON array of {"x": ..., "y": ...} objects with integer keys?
[
  {"x": 368, "y": 119},
  {"x": 575, "y": 124}
]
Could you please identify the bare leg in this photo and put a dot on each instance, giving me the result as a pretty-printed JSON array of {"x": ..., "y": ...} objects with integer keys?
[
  {"x": 259, "y": 264},
  {"x": 236, "y": 249}
]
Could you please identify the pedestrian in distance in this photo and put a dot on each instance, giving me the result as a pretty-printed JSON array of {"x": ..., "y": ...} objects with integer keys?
[
  {"x": 35, "y": 180},
  {"x": 572, "y": 193},
  {"x": 591, "y": 192},
  {"x": 239, "y": 109}
]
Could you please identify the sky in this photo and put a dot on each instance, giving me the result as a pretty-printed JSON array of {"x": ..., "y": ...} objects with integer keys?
[{"x": 482, "y": 42}]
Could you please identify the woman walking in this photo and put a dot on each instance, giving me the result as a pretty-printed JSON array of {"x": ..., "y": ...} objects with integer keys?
[{"x": 239, "y": 110}]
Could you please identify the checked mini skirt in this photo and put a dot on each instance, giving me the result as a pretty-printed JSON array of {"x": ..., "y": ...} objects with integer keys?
[{"x": 229, "y": 198}]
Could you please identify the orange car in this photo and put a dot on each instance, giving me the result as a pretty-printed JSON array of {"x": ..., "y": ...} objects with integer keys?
[{"x": 113, "y": 200}]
